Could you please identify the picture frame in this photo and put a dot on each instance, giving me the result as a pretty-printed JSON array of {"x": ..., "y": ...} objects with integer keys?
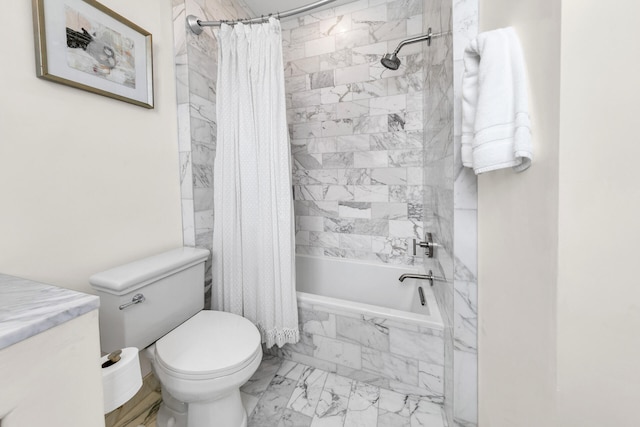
[{"x": 84, "y": 44}]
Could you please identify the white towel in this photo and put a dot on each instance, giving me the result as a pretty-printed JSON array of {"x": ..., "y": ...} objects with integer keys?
[{"x": 496, "y": 130}]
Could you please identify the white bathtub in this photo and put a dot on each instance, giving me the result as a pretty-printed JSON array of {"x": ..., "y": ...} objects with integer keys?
[
  {"x": 356, "y": 319},
  {"x": 371, "y": 289}
]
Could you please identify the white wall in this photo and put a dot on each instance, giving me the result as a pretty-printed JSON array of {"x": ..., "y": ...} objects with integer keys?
[
  {"x": 598, "y": 292},
  {"x": 86, "y": 182},
  {"x": 559, "y": 302},
  {"x": 517, "y": 238}
]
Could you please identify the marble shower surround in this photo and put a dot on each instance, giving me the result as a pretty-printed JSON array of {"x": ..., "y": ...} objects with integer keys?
[
  {"x": 356, "y": 130},
  {"x": 438, "y": 113},
  {"x": 452, "y": 196},
  {"x": 465, "y": 227},
  {"x": 444, "y": 197}
]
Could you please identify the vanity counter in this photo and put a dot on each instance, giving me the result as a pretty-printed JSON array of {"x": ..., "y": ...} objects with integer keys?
[{"x": 28, "y": 308}]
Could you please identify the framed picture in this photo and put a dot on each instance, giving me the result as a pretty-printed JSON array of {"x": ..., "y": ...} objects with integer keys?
[{"x": 84, "y": 44}]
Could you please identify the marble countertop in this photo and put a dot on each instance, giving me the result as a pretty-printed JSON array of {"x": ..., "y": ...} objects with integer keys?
[{"x": 28, "y": 308}]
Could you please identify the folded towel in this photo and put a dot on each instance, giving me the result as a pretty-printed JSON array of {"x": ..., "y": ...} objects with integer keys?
[{"x": 496, "y": 130}]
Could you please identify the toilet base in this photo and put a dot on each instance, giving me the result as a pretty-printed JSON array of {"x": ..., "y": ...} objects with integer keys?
[
  {"x": 226, "y": 411},
  {"x": 172, "y": 412},
  {"x": 167, "y": 418}
]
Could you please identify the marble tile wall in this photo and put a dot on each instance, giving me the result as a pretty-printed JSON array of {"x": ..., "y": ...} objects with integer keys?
[
  {"x": 196, "y": 69},
  {"x": 356, "y": 130},
  {"x": 465, "y": 209},
  {"x": 451, "y": 195},
  {"x": 400, "y": 356},
  {"x": 438, "y": 159}
]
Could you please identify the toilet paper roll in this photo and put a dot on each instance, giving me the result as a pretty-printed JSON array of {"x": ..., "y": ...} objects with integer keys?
[{"x": 121, "y": 380}]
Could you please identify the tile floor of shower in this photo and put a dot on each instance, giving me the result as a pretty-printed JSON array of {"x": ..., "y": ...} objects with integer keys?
[{"x": 287, "y": 394}]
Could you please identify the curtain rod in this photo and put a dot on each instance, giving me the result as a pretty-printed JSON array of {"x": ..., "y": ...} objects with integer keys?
[{"x": 196, "y": 25}]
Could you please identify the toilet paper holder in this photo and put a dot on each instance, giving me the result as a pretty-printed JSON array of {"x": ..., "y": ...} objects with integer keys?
[
  {"x": 121, "y": 377},
  {"x": 112, "y": 358}
]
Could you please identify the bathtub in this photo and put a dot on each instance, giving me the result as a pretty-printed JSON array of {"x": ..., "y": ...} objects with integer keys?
[
  {"x": 358, "y": 320},
  {"x": 370, "y": 289}
]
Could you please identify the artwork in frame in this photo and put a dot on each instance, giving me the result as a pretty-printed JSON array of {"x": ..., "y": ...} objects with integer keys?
[{"x": 82, "y": 43}]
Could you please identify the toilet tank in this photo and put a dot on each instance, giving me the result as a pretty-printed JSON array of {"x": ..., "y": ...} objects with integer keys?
[{"x": 172, "y": 284}]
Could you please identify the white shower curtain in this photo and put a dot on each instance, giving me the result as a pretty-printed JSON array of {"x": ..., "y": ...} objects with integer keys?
[{"x": 253, "y": 233}]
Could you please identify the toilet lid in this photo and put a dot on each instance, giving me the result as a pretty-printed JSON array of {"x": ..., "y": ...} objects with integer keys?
[{"x": 210, "y": 343}]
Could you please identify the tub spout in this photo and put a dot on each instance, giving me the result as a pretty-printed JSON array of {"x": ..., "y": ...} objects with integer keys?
[
  {"x": 429, "y": 276},
  {"x": 416, "y": 276}
]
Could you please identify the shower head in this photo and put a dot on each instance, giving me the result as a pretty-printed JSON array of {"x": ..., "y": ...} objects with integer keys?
[{"x": 390, "y": 61}]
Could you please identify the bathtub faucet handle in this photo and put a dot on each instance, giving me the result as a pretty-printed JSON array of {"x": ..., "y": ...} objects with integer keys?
[{"x": 427, "y": 244}]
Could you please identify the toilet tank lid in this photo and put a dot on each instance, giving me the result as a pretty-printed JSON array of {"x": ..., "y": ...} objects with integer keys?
[{"x": 129, "y": 277}]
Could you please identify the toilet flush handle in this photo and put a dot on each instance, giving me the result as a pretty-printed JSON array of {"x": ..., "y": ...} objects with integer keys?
[{"x": 137, "y": 299}]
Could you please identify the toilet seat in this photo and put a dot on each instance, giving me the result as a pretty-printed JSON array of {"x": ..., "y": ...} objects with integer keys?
[{"x": 210, "y": 344}]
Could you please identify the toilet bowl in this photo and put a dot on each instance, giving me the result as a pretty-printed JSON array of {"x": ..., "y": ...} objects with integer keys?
[
  {"x": 201, "y": 357},
  {"x": 203, "y": 363}
]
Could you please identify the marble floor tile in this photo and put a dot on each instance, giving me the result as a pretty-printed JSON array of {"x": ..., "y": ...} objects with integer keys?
[
  {"x": 293, "y": 419},
  {"x": 394, "y": 409},
  {"x": 306, "y": 395},
  {"x": 331, "y": 410},
  {"x": 338, "y": 385},
  {"x": 362, "y": 410},
  {"x": 391, "y": 419},
  {"x": 289, "y": 394},
  {"x": 291, "y": 370},
  {"x": 426, "y": 414},
  {"x": 259, "y": 382},
  {"x": 273, "y": 402},
  {"x": 249, "y": 401},
  {"x": 337, "y": 401},
  {"x": 334, "y": 400}
]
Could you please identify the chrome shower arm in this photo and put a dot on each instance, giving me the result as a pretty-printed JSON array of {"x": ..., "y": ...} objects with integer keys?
[
  {"x": 412, "y": 40},
  {"x": 427, "y": 36},
  {"x": 391, "y": 60}
]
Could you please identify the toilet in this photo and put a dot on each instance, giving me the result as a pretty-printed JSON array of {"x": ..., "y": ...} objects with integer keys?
[{"x": 201, "y": 357}]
